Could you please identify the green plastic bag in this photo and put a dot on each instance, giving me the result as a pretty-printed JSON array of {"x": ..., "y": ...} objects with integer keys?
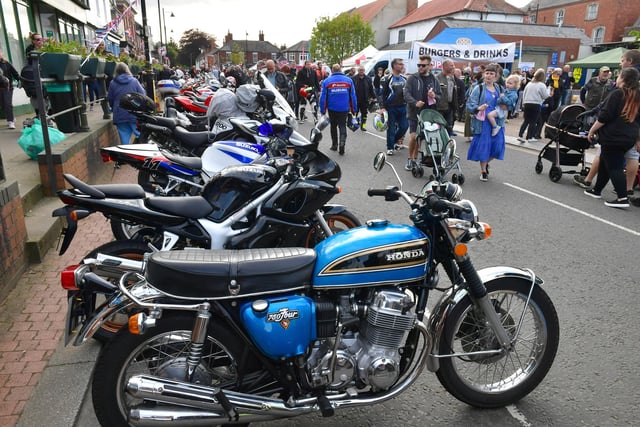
[{"x": 32, "y": 142}]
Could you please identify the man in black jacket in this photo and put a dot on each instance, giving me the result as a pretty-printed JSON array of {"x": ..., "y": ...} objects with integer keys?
[
  {"x": 306, "y": 76},
  {"x": 364, "y": 94}
]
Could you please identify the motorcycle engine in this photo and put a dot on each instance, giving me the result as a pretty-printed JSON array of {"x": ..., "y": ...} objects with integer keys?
[{"x": 368, "y": 355}]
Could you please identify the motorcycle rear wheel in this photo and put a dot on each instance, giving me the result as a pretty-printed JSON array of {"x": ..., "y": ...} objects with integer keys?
[
  {"x": 497, "y": 380},
  {"x": 337, "y": 223},
  {"x": 162, "y": 351},
  {"x": 129, "y": 249}
]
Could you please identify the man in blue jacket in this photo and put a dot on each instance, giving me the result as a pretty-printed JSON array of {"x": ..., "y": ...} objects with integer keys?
[{"x": 338, "y": 97}]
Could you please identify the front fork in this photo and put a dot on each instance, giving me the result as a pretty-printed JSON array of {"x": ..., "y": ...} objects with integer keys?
[{"x": 478, "y": 292}]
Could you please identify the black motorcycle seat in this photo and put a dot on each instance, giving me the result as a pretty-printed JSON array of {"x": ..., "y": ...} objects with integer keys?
[
  {"x": 193, "y": 163},
  {"x": 193, "y": 207},
  {"x": 224, "y": 274},
  {"x": 168, "y": 122},
  {"x": 191, "y": 139},
  {"x": 196, "y": 119},
  {"x": 121, "y": 191}
]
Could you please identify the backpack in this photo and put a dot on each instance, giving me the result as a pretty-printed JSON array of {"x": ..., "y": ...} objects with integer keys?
[{"x": 27, "y": 77}]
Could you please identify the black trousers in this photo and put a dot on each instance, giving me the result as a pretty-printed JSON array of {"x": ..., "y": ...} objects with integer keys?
[
  {"x": 530, "y": 123},
  {"x": 338, "y": 124}
]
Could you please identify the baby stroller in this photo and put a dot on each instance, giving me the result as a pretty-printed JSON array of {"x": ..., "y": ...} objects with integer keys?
[
  {"x": 567, "y": 130},
  {"x": 437, "y": 149}
]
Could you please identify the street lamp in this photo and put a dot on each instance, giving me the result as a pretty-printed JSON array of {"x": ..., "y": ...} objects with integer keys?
[{"x": 166, "y": 40}]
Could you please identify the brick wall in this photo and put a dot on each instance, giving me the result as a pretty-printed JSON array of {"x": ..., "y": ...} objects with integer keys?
[
  {"x": 13, "y": 235},
  {"x": 78, "y": 155}
]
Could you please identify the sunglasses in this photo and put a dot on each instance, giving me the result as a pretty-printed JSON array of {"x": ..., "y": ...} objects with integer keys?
[{"x": 423, "y": 65}]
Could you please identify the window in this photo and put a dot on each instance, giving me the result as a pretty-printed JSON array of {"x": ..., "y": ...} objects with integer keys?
[
  {"x": 401, "y": 36},
  {"x": 598, "y": 35},
  {"x": 532, "y": 18},
  {"x": 254, "y": 57},
  {"x": 559, "y": 16},
  {"x": 592, "y": 11},
  {"x": 291, "y": 57}
]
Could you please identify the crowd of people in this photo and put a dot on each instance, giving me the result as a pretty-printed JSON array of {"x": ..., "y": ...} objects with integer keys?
[{"x": 484, "y": 99}]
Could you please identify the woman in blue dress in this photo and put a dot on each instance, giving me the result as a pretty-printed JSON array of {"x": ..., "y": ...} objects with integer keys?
[{"x": 483, "y": 99}]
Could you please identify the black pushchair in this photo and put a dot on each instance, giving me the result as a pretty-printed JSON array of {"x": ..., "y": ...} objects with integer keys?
[{"x": 567, "y": 130}]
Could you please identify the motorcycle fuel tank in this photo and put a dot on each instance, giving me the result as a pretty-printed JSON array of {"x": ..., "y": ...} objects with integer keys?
[
  {"x": 373, "y": 254},
  {"x": 280, "y": 326},
  {"x": 226, "y": 153}
]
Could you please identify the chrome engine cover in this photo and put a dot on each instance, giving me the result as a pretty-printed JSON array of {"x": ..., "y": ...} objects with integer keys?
[{"x": 371, "y": 355}]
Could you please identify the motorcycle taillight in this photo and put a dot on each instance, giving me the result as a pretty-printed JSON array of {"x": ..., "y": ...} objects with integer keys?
[
  {"x": 68, "y": 278},
  {"x": 106, "y": 158}
]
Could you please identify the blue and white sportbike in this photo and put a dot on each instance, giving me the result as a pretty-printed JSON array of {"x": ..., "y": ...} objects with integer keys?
[{"x": 239, "y": 336}]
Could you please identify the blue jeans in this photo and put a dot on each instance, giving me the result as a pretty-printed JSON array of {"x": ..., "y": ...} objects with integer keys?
[
  {"x": 125, "y": 130},
  {"x": 398, "y": 124}
]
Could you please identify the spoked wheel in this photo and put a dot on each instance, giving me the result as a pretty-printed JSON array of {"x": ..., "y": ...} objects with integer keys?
[
  {"x": 539, "y": 167},
  {"x": 337, "y": 223},
  {"x": 129, "y": 249},
  {"x": 494, "y": 380},
  {"x": 163, "y": 351}
]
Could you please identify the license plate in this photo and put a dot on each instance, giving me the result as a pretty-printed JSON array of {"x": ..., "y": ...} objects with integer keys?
[{"x": 75, "y": 316}]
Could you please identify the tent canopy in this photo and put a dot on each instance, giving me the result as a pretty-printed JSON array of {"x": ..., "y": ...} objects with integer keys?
[
  {"x": 463, "y": 36},
  {"x": 360, "y": 57},
  {"x": 610, "y": 58}
]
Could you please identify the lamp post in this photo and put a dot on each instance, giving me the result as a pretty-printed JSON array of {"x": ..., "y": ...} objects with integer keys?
[
  {"x": 160, "y": 23},
  {"x": 166, "y": 40}
]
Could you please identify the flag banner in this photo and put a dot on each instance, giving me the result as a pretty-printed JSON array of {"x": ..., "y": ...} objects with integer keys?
[{"x": 497, "y": 52}]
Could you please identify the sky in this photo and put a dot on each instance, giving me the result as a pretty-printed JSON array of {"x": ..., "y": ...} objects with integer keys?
[{"x": 282, "y": 22}]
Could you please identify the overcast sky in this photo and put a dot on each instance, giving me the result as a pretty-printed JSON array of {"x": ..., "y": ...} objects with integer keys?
[{"x": 282, "y": 22}]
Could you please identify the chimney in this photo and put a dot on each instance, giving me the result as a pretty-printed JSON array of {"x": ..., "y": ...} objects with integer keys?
[
  {"x": 228, "y": 37},
  {"x": 411, "y": 6},
  {"x": 261, "y": 36}
]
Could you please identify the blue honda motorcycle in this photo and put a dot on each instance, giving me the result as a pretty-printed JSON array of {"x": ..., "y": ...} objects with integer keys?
[{"x": 240, "y": 336}]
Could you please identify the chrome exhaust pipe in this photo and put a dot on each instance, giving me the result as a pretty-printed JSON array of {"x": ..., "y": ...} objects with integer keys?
[
  {"x": 197, "y": 405},
  {"x": 202, "y": 403}
]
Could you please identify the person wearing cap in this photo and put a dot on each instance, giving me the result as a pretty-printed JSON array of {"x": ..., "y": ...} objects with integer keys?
[{"x": 596, "y": 89}]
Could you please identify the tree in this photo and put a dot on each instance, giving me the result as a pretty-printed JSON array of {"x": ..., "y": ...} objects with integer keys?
[
  {"x": 173, "y": 50},
  {"x": 190, "y": 44},
  {"x": 340, "y": 37}
]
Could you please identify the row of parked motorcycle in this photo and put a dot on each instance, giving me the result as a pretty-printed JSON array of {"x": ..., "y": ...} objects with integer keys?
[{"x": 235, "y": 292}]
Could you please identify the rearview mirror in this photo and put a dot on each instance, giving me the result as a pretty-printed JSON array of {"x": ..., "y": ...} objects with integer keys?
[{"x": 379, "y": 160}]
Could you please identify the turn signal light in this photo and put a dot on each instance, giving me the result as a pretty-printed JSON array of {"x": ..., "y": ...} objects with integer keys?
[
  {"x": 460, "y": 249},
  {"x": 68, "y": 278},
  {"x": 486, "y": 230},
  {"x": 106, "y": 158},
  {"x": 135, "y": 322}
]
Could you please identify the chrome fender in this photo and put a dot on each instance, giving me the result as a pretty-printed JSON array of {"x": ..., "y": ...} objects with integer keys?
[
  {"x": 117, "y": 303},
  {"x": 447, "y": 302}
]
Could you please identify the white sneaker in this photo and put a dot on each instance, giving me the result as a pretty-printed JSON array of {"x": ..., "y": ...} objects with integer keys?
[
  {"x": 11, "y": 125},
  {"x": 532, "y": 140},
  {"x": 495, "y": 130},
  {"x": 390, "y": 152}
]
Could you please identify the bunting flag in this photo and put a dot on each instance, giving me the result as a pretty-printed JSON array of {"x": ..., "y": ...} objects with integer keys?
[{"x": 101, "y": 33}]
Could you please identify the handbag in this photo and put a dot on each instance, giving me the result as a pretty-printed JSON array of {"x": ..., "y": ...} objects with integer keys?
[{"x": 32, "y": 141}]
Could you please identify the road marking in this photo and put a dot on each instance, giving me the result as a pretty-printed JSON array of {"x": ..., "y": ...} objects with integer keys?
[
  {"x": 588, "y": 215},
  {"x": 518, "y": 415}
]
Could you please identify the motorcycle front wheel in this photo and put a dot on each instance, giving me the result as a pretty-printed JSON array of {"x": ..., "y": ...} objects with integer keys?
[
  {"x": 129, "y": 249},
  {"x": 163, "y": 352},
  {"x": 499, "y": 379}
]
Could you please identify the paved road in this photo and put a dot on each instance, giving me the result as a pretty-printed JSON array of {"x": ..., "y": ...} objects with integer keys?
[{"x": 585, "y": 252}]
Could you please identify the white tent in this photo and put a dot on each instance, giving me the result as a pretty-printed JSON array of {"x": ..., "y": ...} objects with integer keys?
[{"x": 360, "y": 57}]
